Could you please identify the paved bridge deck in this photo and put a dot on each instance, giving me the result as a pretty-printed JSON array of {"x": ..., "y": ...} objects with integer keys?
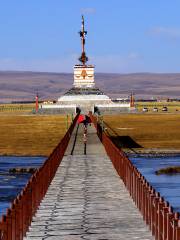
[{"x": 87, "y": 199}]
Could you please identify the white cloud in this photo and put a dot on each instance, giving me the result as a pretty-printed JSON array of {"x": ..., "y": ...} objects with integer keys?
[
  {"x": 88, "y": 10},
  {"x": 131, "y": 62},
  {"x": 166, "y": 32},
  {"x": 133, "y": 56}
]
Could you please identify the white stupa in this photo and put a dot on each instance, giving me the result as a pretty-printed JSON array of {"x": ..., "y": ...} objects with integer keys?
[{"x": 84, "y": 95}]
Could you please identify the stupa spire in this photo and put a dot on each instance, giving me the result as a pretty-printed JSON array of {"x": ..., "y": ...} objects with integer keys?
[{"x": 83, "y": 58}]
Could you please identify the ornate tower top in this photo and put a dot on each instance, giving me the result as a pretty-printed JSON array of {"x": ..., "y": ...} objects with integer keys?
[
  {"x": 83, "y": 58},
  {"x": 83, "y": 73}
]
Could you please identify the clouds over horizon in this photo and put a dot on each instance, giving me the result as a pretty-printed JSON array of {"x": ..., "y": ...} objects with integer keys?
[
  {"x": 168, "y": 32},
  {"x": 105, "y": 63},
  {"x": 38, "y": 65}
]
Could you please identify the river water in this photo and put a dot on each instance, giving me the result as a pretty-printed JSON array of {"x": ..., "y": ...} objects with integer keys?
[
  {"x": 12, "y": 184},
  {"x": 167, "y": 185}
]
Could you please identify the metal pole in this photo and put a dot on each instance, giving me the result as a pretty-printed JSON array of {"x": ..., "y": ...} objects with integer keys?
[
  {"x": 85, "y": 139},
  {"x": 102, "y": 123},
  {"x": 37, "y": 103},
  {"x": 67, "y": 122},
  {"x": 72, "y": 117}
]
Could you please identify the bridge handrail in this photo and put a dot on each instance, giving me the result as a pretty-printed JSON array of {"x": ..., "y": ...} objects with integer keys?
[
  {"x": 157, "y": 213},
  {"x": 15, "y": 224}
]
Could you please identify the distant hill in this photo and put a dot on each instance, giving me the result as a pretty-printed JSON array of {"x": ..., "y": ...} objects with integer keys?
[{"x": 15, "y": 86}]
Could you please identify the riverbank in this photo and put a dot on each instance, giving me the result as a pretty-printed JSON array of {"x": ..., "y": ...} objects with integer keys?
[{"x": 152, "y": 152}]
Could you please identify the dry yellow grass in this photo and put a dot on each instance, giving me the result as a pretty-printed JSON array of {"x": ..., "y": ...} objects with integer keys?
[
  {"x": 30, "y": 135},
  {"x": 148, "y": 130}
]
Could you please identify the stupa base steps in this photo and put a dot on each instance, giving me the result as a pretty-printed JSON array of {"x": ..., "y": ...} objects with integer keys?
[{"x": 85, "y": 109}]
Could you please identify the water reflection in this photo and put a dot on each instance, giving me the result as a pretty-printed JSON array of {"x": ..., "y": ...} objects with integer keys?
[
  {"x": 11, "y": 184},
  {"x": 167, "y": 185}
]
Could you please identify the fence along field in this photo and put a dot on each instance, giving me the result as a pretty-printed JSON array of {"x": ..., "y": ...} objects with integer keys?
[{"x": 17, "y": 108}]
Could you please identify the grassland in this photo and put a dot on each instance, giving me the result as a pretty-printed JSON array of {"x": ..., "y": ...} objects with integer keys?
[
  {"x": 23, "y": 133},
  {"x": 142, "y": 132},
  {"x": 30, "y": 135}
]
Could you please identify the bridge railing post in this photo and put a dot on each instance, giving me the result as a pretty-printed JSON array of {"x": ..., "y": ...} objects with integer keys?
[
  {"x": 175, "y": 224},
  {"x": 177, "y": 231},
  {"x": 13, "y": 221},
  {"x": 16, "y": 233},
  {"x": 9, "y": 224},
  {"x": 170, "y": 217},
  {"x": 165, "y": 211},
  {"x": 19, "y": 217},
  {"x": 3, "y": 228},
  {"x": 160, "y": 218}
]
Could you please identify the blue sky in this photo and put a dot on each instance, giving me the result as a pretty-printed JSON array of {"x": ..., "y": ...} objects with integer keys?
[{"x": 123, "y": 36}]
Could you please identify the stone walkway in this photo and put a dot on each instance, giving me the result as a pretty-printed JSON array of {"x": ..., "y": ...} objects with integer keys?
[{"x": 87, "y": 199}]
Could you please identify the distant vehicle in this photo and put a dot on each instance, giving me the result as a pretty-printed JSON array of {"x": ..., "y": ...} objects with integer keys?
[
  {"x": 164, "y": 109},
  {"x": 145, "y": 109},
  {"x": 48, "y": 102},
  {"x": 155, "y": 109}
]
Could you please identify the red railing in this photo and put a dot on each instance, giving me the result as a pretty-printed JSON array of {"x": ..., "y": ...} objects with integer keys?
[
  {"x": 157, "y": 213},
  {"x": 15, "y": 224}
]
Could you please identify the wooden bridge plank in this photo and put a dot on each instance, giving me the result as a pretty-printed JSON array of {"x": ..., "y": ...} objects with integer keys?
[{"x": 87, "y": 200}]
